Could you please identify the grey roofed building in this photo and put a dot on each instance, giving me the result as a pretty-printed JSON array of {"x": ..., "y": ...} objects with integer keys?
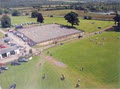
[
  {"x": 44, "y": 33},
  {"x": 5, "y": 50}
]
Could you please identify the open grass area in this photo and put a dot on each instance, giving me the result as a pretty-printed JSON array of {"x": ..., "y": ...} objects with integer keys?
[
  {"x": 99, "y": 58},
  {"x": 22, "y": 19},
  {"x": 100, "y": 63},
  {"x": 85, "y": 25},
  {"x": 29, "y": 76}
]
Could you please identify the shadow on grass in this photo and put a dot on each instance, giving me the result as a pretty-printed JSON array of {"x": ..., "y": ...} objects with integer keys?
[{"x": 113, "y": 29}]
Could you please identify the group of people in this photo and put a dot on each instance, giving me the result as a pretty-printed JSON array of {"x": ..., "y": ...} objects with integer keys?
[
  {"x": 63, "y": 78},
  {"x": 78, "y": 84},
  {"x": 100, "y": 43}
]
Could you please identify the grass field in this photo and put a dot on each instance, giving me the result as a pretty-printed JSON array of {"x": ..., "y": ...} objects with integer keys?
[
  {"x": 85, "y": 25},
  {"x": 100, "y": 63},
  {"x": 29, "y": 76}
]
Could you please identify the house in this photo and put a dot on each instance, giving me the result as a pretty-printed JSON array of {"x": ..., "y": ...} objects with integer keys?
[
  {"x": 6, "y": 52},
  {"x": 6, "y": 49}
]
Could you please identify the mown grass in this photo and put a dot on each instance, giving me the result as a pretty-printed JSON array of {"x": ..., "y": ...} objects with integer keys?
[
  {"x": 100, "y": 62},
  {"x": 85, "y": 25},
  {"x": 29, "y": 76}
]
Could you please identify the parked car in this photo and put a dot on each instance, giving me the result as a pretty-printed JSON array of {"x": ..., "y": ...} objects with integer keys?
[
  {"x": 80, "y": 36},
  {"x": 10, "y": 30},
  {"x": 30, "y": 43},
  {"x": 1, "y": 71},
  {"x": 7, "y": 40},
  {"x": 4, "y": 68},
  {"x": 13, "y": 86},
  {"x": 2, "y": 46},
  {"x": 12, "y": 44},
  {"x": 14, "y": 63},
  {"x": 18, "y": 27},
  {"x": 20, "y": 47},
  {"x": 15, "y": 32},
  {"x": 24, "y": 39},
  {"x": 22, "y": 60}
]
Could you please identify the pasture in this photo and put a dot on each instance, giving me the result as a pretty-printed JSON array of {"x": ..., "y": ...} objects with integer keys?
[
  {"x": 85, "y": 25},
  {"x": 99, "y": 58},
  {"x": 100, "y": 63}
]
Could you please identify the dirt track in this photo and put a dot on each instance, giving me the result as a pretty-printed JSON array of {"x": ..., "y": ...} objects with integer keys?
[{"x": 57, "y": 63}]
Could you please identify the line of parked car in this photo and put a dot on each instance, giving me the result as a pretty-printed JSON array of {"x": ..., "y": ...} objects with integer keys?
[
  {"x": 24, "y": 24},
  {"x": 24, "y": 38},
  {"x": 18, "y": 62},
  {"x": 15, "y": 63}
]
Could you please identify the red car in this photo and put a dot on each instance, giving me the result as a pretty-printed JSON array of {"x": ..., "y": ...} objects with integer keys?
[{"x": 2, "y": 46}]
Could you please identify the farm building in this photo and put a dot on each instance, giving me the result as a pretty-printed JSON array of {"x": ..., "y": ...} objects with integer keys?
[
  {"x": 6, "y": 49},
  {"x": 6, "y": 52},
  {"x": 47, "y": 34}
]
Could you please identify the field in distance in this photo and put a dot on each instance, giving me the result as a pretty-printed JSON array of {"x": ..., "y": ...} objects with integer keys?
[{"x": 85, "y": 25}]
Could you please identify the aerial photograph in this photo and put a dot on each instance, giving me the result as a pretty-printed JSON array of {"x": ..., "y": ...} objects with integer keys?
[{"x": 59, "y": 44}]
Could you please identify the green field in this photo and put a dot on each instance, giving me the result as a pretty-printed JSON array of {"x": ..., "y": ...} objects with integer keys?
[
  {"x": 85, "y": 25},
  {"x": 100, "y": 63}
]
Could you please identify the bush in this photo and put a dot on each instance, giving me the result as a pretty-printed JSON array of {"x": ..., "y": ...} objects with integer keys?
[
  {"x": 34, "y": 14},
  {"x": 40, "y": 18},
  {"x": 26, "y": 14},
  {"x": 5, "y": 21},
  {"x": 88, "y": 17},
  {"x": 30, "y": 51},
  {"x": 16, "y": 13},
  {"x": 6, "y": 11},
  {"x": 51, "y": 15},
  {"x": 1, "y": 11}
]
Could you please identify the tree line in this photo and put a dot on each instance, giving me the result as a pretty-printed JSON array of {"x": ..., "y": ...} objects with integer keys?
[{"x": 71, "y": 18}]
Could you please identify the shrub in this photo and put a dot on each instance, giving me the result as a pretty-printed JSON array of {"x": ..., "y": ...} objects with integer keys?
[
  {"x": 51, "y": 15},
  {"x": 6, "y": 11},
  {"x": 5, "y": 21},
  {"x": 1, "y": 11},
  {"x": 34, "y": 14},
  {"x": 16, "y": 13},
  {"x": 88, "y": 17},
  {"x": 40, "y": 18}
]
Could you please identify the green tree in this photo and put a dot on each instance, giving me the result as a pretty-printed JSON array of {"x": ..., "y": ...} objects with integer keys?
[
  {"x": 30, "y": 51},
  {"x": 72, "y": 18},
  {"x": 5, "y": 21},
  {"x": 40, "y": 18},
  {"x": 34, "y": 14},
  {"x": 117, "y": 20},
  {"x": 1, "y": 11},
  {"x": 6, "y": 11}
]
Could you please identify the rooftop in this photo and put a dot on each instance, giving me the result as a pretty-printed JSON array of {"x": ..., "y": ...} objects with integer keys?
[
  {"x": 5, "y": 50},
  {"x": 47, "y": 32}
]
